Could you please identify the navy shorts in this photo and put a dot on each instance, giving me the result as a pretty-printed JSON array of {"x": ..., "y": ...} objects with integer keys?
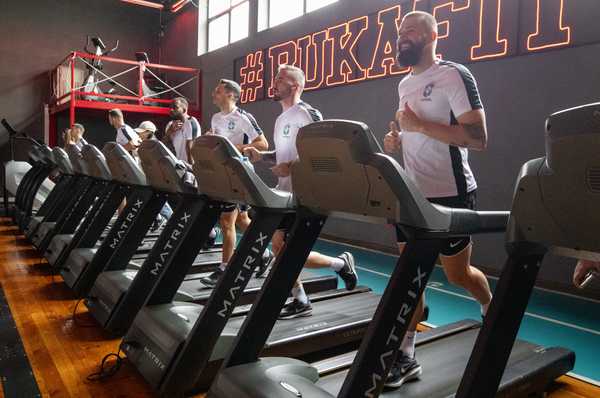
[
  {"x": 228, "y": 208},
  {"x": 453, "y": 246}
]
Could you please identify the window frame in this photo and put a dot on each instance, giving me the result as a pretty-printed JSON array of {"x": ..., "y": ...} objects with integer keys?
[
  {"x": 304, "y": 12},
  {"x": 219, "y": 15}
]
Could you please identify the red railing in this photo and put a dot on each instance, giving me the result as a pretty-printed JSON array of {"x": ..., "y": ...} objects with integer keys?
[{"x": 75, "y": 90}]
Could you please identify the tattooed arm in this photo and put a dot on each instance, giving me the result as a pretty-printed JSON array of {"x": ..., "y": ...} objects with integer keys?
[{"x": 471, "y": 131}]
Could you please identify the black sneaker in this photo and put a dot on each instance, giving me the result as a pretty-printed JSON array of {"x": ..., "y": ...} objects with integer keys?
[
  {"x": 405, "y": 369},
  {"x": 265, "y": 262},
  {"x": 212, "y": 279},
  {"x": 348, "y": 272},
  {"x": 210, "y": 242},
  {"x": 295, "y": 309}
]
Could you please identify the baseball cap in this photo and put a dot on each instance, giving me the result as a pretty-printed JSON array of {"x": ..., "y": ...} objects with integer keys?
[{"x": 146, "y": 126}]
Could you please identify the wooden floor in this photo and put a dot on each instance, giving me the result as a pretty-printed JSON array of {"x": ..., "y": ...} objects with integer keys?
[{"x": 63, "y": 352}]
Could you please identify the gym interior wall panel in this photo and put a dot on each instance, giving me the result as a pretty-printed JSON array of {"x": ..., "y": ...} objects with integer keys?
[{"x": 35, "y": 36}]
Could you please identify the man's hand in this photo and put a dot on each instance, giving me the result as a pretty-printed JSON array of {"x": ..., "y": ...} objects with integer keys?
[
  {"x": 174, "y": 127},
  {"x": 582, "y": 269},
  {"x": 282, "y": 169},
  {"x": 252, "y": 153},
  {"x": 409, "y": 121},
  {"x": 393, "y": 139}
]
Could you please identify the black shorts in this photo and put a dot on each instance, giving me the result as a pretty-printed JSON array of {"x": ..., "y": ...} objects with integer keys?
[
  {"x": 228, "y": 208},
  {"x": 453, "y": 246}
]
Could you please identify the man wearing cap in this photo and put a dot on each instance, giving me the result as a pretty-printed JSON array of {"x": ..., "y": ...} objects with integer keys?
[
  {"x": 241, "y": 128},
  {"x": 146, "y": 130}
]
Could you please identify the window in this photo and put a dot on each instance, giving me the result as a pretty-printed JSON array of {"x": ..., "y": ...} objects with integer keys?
[
  {"x": 280, "y": 11},
  {"x": 228, "y": 22}
]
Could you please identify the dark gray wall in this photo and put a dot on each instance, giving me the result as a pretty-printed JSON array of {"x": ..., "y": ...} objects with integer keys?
[
  {"x": 519, "y": 93},
  {"x": 36, "y": 35}
]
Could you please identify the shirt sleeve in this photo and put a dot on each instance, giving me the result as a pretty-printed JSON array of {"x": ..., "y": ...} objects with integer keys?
[
  {"x": 252, "y": 129},
  {"x": 121, "y": 137},
  {"x": 462, "y": 91},
  {"x": 188, "y": 130}
]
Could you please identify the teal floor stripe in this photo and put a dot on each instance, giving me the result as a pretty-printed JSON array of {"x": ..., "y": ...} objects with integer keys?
[{"x": 552, "y": 319}]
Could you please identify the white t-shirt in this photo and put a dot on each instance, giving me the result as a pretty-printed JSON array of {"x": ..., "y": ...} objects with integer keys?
[
  {"x": 239, "y": 126},
  {"x": 285, "y": 133},
  {"x": 440, "y": 94},
  {"x": 189, "y": 131},
  {"x": 126, "y": 134}
]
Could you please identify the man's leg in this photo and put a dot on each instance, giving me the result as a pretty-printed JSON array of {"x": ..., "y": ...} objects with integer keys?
[
  {"x": 460, "y": 272},
  {"x": 242, "y": 222},
  {"x": 227, "y": 222},
  {"x": 342, "y": 265},
  {"x": 406, "y": 367}
]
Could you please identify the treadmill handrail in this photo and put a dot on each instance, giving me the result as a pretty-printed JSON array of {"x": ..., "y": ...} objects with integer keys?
[
  {"x": 95, "y": 162},
  {"x": 163, "y": 170},
  {"x": 224, "y": 174},
  {"x": 76, "y": 158},
  {"x": 123, "y": 167},
  {"x": 62, "y": 160},
  {"x": 342, "y": 154}
]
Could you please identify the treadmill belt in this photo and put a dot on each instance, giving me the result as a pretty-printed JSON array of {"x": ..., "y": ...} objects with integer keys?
[
  {"x": 354, "y": 308},
  {"x": 444, "y": 361},
  {"x": 200, "y": 293}
]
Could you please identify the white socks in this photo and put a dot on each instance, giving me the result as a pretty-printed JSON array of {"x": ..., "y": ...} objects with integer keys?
[
  {"x": 408, "y": 344},
  {"x": 222, "y": 266},
  {"x": 299, "y": 294},
  {"x": 337, "y": 264}
]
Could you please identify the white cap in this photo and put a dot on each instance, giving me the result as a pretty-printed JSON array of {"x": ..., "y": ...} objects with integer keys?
[{"x": 146, "y": 126}]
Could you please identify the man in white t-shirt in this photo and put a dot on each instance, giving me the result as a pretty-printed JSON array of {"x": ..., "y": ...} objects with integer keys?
[
  {"x": 182, "y": 130},
  {"x": 289, "y": 85},
  {"x": 440, "y": 118},
  {"x": 241, "y": 128},
  {"x": 126, "y": 136}
]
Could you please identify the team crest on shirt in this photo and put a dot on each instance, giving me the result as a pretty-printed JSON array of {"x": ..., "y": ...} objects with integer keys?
[
  {"x": 427, "y": 92},
  {"x": 231, "y": 125},
  {"x": 286, "y": 130}
]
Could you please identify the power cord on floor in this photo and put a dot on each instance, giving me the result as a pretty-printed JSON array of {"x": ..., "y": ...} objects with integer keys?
[{"x": 107, "y": 370}]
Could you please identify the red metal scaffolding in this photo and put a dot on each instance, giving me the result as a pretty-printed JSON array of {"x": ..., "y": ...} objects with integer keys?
[{"x": 69, "y": 94}]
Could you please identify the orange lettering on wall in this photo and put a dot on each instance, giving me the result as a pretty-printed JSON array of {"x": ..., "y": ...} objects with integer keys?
[
  {"x": 550, "y": 30},
  {"x": 344, "y": 67},
  {"x": 311, "y": 56},
  {"x": 490, "y": 44},
  {"x": 383, "y": 62},
  {"x": 251, "y": 76},
  {"x": 284, "y": 53}
]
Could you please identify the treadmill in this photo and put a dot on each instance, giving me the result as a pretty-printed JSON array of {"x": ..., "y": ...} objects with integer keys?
[
  {"x": 367, "y": 185},
  {"x": 554, "y": 210},
  {"x": 176, "y": 345},
  {"x": 92, "y": 227},
  {"x": 77, "y": 203},
  {"x": 40, "y": 156},
  {"x": 56, "y": 202},
  {"x": 98, "y": 219},
  {"x": 127, "y": 233},
  {"x": 119, "y": 294}
]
